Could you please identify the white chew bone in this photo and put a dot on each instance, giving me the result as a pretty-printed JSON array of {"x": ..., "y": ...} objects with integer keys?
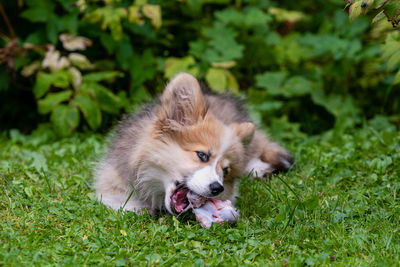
[{"x": 209, "y": 210}]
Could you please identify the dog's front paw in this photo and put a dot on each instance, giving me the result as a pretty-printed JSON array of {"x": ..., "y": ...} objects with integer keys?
[
  {"x": 279, "y": 158},
  {"x": 273, "y": 159},
  {"x": 258, "y": 168}
]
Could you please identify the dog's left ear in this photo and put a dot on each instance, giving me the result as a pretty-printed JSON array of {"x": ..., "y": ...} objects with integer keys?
[
  {"x": 182, "y": 101},
  {"x": 244, "y": 130}
]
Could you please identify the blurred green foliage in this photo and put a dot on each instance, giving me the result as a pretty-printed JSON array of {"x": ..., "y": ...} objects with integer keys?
[{"x": 303, "y": 66}]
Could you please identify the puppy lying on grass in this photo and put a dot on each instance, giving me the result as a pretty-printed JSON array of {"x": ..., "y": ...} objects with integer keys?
[{"x": 185, "y": 149}]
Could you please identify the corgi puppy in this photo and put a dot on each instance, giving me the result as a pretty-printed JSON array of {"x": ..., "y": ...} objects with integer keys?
[{"x": 187, "y": 139}]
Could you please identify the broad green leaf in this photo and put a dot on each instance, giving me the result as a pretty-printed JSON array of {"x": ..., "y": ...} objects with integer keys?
[
  {"x": 39, "y": 11},
  {"x": 391, "y": 52},
  {"x": 108, "y": 101},
  {"x": 134, "y": 15},
  {"x": 290, "y": 51},
  {"x": 143, "y": 68},
  {"x": 36, "y": 37},
  {"x": 380, "y": 16},
  {"x": 53, "y": 28},
  {"x": 216, "y": 80},
  {"x": 273, "y": 38},
  {"x": 61, "y": 79},
  {"x": 72, "y": 43},
  {"x": 140, "y": 2},
  {"x": 108, "y": 42},
  {"x": 232, "y": 83},
  {"x": 42, "y": 84},
  {"x": 267, "y": 106},
  {"x": 153, "y": 12},
  {"x": 196, "y": 5},
  {"x": 255, "y": 16},
  {"x": 298, "y": 85},
  {"x": 102, "y": 75},
  {"x": 283, "y": 15},
  {"x": 76, "y": 77},
  {"x": 272, "y": 81},
  {"x": 54, "y": 61},
  {"x": 342, "y": 107},
  {"x": 224, "y": 65},
  {"x": 80, "y": 61},
  {"x": 174, "y": 66},
  {"x": 275, "y": 85},
  {"x": 69, "y": 23},
  {"x": 397, "y": 78},
  {"x": 90, "y": 110},
  {"x": 327, "y": 43},
  {"x": 36, "y": 14},
  {"x": 30, "y": 69},
  {"x": 39, "y": 162},
  {"x": 230, "y": 16},
  {"x": 65, "y": 119},
  {"x": 392, "y": 45},
  {"x": 51, "y": 100},
  {"x": 139, "y": 95},
  {"x": 251, "y": 16},
  {"x": 110, "y": 18},
  {"x": 221, "y": 80},
  {"x": 394, "y": 59},
  {"x": 124, "y": 52},
  {"x": 197, "y": 48},
  {"x": 355, "y": 10},
  {"x": 222, "y": 46},
  {"x": 346, "y": 28}
]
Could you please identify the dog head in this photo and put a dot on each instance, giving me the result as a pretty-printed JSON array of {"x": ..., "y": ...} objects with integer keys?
[{"x": 195, "y": 149}]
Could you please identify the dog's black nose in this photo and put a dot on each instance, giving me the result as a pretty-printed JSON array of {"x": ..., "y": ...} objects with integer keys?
[{"x": 216, "y": 188}]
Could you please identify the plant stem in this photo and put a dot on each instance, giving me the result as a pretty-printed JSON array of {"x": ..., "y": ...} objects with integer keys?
[{"x": 5, "y": 17}]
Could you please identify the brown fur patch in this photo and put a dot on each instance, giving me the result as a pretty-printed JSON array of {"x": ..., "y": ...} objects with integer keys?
[{"x": 206, "y": 135}]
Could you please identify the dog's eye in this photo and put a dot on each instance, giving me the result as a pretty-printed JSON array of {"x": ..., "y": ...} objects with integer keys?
[
  {"x": 203, "y": 156},
  {"x": 225, "y": 170}
]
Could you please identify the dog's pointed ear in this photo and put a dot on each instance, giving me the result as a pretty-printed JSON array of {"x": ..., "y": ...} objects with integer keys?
[
  {"x": 183, "y": 101},
  {"x": 244, "y": 130}
]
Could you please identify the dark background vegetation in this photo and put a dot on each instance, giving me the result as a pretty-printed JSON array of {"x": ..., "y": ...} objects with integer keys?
[{"x": 304, "y": 67}]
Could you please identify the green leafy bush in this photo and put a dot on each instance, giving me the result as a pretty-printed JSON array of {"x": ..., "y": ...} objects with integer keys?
[
  {"x": 387, "y": 11},
  {"x": 299, "y": 62}
]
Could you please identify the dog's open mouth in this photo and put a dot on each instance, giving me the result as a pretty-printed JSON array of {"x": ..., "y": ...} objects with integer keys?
[
  {"x": 183, "y": 199},
  {"x": 179, "y": 200},
  {"x": 207, "y": 210}
]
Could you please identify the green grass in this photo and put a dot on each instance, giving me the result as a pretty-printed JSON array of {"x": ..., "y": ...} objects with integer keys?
[{"x": 338, "y": 205}]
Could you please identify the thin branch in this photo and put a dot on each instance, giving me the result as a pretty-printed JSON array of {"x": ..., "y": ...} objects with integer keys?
[
  {"x": 381, "y": 5},
  {"x": 5, "y": 17}
]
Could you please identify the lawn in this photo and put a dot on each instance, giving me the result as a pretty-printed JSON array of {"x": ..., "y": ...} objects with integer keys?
[{"x": 339, "y": 204}]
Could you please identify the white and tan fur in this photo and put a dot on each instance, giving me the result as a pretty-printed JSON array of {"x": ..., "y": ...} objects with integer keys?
[{"x": 153, "y": 151}]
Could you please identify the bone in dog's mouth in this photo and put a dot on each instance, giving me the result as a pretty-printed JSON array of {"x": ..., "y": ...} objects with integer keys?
[{"x": 206, "y": 210}]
